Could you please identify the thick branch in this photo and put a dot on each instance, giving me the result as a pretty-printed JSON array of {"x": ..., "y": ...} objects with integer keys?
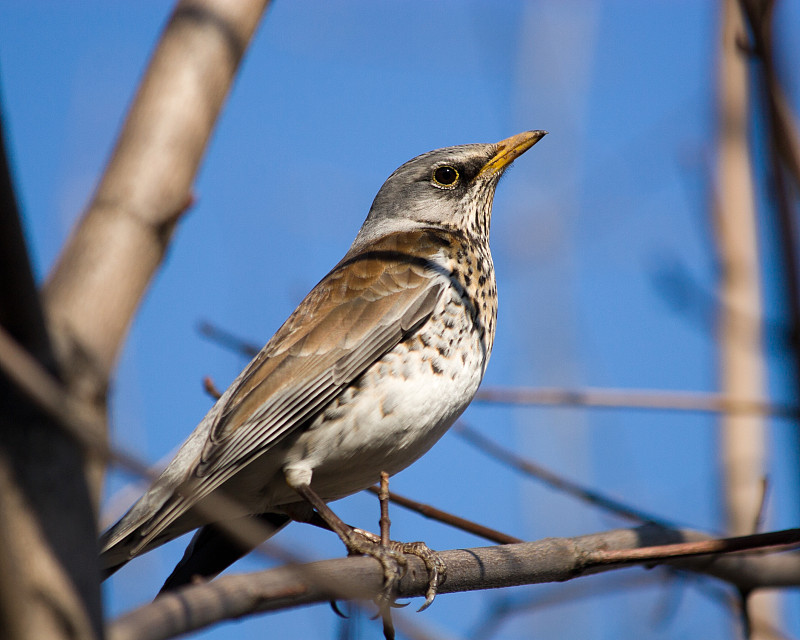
[
  {"x": 548, "y": 560},
  {"x": 106, "y": 265}
]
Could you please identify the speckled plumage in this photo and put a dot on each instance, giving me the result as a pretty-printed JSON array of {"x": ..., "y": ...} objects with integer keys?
[{"x": 366, "y": 375}]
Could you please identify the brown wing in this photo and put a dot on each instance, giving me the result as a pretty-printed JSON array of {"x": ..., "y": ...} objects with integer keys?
[{"x": 364, "y": 307}]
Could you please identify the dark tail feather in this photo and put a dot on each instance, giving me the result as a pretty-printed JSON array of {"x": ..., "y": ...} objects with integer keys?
[{"x": 211, "y": 551}]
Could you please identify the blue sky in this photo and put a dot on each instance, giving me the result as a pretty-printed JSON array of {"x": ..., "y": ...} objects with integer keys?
[{"x": 588, "y": 228}]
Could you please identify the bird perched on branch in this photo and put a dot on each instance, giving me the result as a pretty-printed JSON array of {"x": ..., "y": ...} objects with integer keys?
[{"x": 370, "y": 370}]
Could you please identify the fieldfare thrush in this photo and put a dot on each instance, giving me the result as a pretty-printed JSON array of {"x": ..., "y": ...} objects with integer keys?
[{"x": 370, "y": 370}]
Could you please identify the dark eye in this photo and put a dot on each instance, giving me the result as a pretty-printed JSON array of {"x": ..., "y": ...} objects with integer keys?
[{"x": 445, "y": 176}]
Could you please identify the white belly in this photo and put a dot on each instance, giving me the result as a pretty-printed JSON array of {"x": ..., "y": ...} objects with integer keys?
[{"x": 392, "y": 414}]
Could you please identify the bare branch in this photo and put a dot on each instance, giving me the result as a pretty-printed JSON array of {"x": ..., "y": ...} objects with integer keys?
[
  {"x": 494, "y": 450},
  {"x": 694, "y": 401},
  {"x": 108, "y": 262},
  {"x": 702, "y": 547},
  {"x": 552, "y": 559},
  {"x": 228, "y": 340},
  {"x": 448, "y": 518},
  {"x": 744, "y": 438}
]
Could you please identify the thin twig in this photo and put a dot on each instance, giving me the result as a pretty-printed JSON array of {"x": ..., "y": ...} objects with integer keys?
[
  {"x": 210, "y": 388},
  {"x": 721, "y": 596},
  {"x": 762, "y": 505},
  {"x": 385, "y": 524},
  {"x": 784, "y": 158},
  {"x": 228, "y": 340},
  {"x": 494, "y": 450},
  {"x": 785, "y": 539},
  {"x": 444, "y": 517},
  {"x": 633, "y": 399}
]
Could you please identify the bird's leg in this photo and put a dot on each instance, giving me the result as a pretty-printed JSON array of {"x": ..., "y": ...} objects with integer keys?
[
  {"x": 383, "y": 498},
  {"x": 384, "y": 523},
  {"x": 391, "y": 560},
  {"x": 324, "y": 517},
  {"x": 435, "y": 566}
]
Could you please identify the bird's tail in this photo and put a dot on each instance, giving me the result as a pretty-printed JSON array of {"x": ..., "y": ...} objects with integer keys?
[
  {"x": 213, "y": 549},
  {"x": 123, "y": 540}
]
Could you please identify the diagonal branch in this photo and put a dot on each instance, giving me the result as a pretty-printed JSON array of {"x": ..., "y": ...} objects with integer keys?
[
  {"x": 107, "y": 263},
  {"x": 494, "y": 450},
  {"x": 451, "y": 519}
]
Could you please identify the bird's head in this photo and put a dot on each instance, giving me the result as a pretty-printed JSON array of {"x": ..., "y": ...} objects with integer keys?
[{"x": 451, "y": 188}]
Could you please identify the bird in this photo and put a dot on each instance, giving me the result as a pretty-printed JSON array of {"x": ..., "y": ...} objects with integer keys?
[{"x": 369, "y": 371}]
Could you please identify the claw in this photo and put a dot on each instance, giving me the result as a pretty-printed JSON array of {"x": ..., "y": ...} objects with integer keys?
[
  {"x": 337, "y": 610},
  {"x": 429, "y": 598},
  {"x": 392, "y": 561},
  {"x": 435, "y": 566},
  {"x": 388, "y": 625}
]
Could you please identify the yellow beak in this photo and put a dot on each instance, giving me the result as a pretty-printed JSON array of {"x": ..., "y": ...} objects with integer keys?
[{"x": 510, "y": 149}]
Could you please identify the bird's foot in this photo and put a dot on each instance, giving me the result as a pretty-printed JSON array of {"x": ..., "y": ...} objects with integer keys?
[
  {"x": 392, "y": 561},
  {"x": 434, "y": 565}
]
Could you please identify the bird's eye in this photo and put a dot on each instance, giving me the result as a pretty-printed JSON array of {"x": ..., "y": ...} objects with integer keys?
[{"x": 445, "y": 177}]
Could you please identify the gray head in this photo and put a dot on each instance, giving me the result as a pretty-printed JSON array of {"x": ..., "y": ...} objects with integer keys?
[{"x": 451, "y": 188}]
